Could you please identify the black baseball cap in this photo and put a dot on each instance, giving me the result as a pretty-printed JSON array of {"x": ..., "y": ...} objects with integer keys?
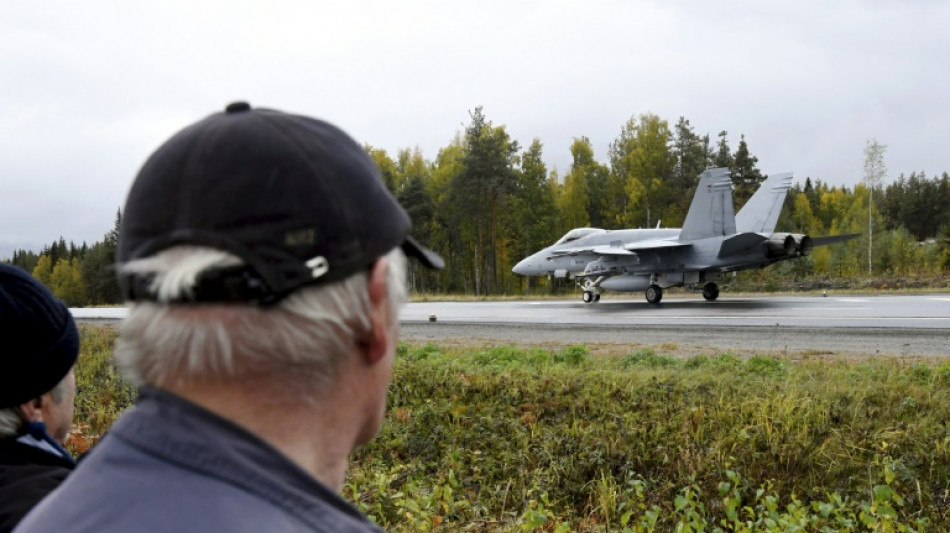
[{"x": 295, "y": 197}]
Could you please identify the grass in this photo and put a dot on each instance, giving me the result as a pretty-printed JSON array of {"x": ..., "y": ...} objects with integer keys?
[{"x": 504, "y": 439}]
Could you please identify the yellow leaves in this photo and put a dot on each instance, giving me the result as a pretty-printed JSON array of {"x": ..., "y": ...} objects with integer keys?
[
  {"x": 804, "y": 218},
  {"x": 43, "y": 271},
  {"x": 66, "y": 282}
]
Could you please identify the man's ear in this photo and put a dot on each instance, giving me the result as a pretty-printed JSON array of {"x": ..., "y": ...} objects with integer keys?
[
  {"x": 33, "y": 410},
  {"x": 380, "y": 307}
]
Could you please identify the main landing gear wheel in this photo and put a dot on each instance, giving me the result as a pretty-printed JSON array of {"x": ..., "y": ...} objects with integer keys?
[
  {"x": 710, "y": 291},
  {"x": 590, "y": 297},
  {"x": 654, "y": 294},
  {"x": 596, "y": 297}
]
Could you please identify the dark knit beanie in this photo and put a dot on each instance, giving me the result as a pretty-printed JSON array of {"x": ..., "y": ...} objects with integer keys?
[{"x": 39, "y": 342}]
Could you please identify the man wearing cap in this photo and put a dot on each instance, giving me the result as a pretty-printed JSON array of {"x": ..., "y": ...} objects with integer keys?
[
  {"x": 265, "y": 264},
  {"x": 40, "y": 347}
]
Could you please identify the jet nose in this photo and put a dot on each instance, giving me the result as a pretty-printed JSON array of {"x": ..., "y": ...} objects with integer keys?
[{"x": 523, "y": 268}]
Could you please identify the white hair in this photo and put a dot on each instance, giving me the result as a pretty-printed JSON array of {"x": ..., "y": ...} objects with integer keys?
[
  {"x": 11, "y": 418},
  {"x": 10, "y": 421},
  {"x": 299, "y": 340}
]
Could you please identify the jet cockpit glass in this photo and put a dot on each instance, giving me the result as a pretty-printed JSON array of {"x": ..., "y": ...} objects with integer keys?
[{"x": 577, "y": 233}]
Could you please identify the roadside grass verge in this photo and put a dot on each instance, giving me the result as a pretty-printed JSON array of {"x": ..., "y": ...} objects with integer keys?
[
  {"x": 504, "y": 439},
  {"x": 508, "y": 439}
]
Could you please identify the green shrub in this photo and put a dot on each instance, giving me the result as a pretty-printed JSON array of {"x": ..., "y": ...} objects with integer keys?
[
  {"x": 942, "y": 373},
  {"x": 424, "y": 352},
  {"x": 647, "y": 357},
  {"x": 572, "y": 355},
  {"x": 499, "y": 355},
  {"x": 921, "y": 373},
  {"x": 697, "y": 361},
  {"x": 725, "y": 361},
  {"x": 763, "y": 366}
]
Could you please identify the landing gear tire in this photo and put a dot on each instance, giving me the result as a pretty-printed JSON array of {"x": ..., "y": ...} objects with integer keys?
[
  {"x": 654, "y": 294},
  {"x": 589, "y": 297},
  {"x": 710, "y": 291},
  {"x": 596, "y": 297}
]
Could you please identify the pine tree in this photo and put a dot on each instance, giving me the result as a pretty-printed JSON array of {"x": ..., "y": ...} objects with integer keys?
[
  {"x": 535, "y": 203},
  {"x": 418, "y": 204},
  {"x": 746, "y": 178},
  {"x": 723, "y": 157},
  {"x": 692, "y": 157},
  {"x": 481, "y": 191}
]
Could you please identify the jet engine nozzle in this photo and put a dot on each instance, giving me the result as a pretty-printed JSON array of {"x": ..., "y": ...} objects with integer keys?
[
  {"x": 789, "y": 245},
  {"x": 805, "y": 246},
  {"x": 780, "y": 245}
]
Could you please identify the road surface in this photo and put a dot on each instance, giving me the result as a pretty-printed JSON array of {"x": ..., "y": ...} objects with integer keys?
[{"x": 909, "y": 325}]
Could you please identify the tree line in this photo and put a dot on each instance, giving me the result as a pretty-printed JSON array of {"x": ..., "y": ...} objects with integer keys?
[
  {"x": 485, "y": 202},
  {"x": 81, "y": 275}
]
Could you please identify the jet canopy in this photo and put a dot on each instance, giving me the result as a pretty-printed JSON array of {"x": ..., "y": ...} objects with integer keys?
[{"x": 577, "y": 233}]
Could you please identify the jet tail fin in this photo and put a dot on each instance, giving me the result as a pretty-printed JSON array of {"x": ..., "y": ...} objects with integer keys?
[
  {"x": 760, "y": 214},
  {"x": 711, "y": 213}
]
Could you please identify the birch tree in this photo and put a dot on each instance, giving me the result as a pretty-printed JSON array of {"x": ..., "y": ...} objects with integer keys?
[{"x": 874, "y": 171}]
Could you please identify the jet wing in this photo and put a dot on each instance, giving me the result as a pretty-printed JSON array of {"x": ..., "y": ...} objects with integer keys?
[
  {"x": 655, "y": 244},
  {"x": 592, "y": 250},
  {"x": 629, "y": 249},
  {"x": 612, "y": 250}
]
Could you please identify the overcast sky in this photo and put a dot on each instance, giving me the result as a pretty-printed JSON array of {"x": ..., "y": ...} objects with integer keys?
[{"x": 88, "y": 89}]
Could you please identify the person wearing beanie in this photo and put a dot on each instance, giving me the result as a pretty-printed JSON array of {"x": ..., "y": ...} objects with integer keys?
[
  {"x": 265, "y": 265},
  {"x": 37, "y": 385}
]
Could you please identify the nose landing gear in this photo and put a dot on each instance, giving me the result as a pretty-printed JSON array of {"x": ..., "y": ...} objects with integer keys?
[
  {"x": 590, "y": 297},
  {"x": 591, "y": 294}
]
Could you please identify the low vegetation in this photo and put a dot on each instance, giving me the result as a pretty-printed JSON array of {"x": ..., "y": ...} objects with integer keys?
[
  {"x": 101, "y": 393},
  {"x": 504, "y": 439}
]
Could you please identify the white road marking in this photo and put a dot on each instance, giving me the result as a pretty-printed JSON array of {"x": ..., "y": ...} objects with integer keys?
[
  {"x": 774, "y": 318},
  {"x": 827, "y": 308}
]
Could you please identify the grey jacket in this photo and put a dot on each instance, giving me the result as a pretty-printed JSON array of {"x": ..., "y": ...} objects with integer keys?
[{"x": 169, "y": 465}]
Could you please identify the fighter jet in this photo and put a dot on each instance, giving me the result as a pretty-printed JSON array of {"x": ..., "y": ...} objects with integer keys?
[{"x": 713, "y": 240}]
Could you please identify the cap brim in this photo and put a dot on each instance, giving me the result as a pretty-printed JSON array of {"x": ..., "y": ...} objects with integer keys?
[{"x": 427, "y": 257}]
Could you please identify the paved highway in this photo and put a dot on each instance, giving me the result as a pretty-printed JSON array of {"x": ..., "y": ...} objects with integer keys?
[
  {"x": 924, "y": 311},
  {"x": 891, "y": 324}
]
